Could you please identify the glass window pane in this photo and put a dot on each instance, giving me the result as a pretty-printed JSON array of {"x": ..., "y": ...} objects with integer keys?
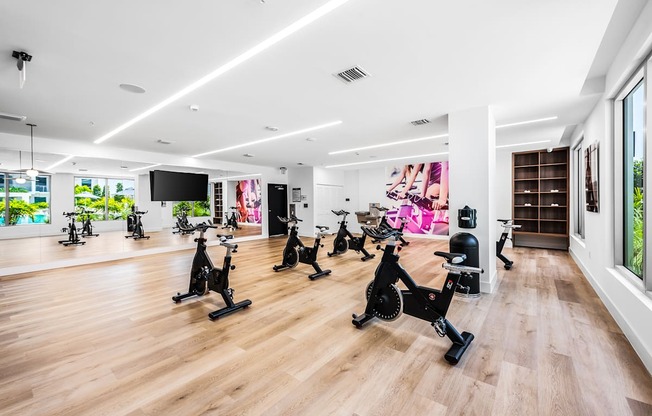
[
  {"x": 121, "y": 194},
  {"x": 634, "y": 165},
  {"x": 29, "y": 200},
  {"x": 203, "y": 208},
  {"x": 90, "y": 195}
]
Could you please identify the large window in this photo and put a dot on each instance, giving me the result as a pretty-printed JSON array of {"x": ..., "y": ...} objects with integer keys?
[
  {"x": 106, "y": 198},
  {"x": 633, "y": 175},
  {"x": 578, "y": 182},
  {"x": 29, "y": 200},
  {"x": 194, "y": 208}
]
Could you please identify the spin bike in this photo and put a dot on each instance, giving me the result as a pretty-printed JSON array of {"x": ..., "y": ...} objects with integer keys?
[
  {"x": 183, "y": 226},
  {"x": 87, "y": 227},
  {"x": 507, "y": 225},
  {"x": 232, "y": 221},
  {"x": 138, "y": 231},
  {"x": 73, "y": 236},
  {"x": 386, "y": 301},
  {"x": 341, "y": 245},
  {"x": 385, "y": 225},
  {"x": 296, "y": 252},
  {"x": 205, "y": 277}
]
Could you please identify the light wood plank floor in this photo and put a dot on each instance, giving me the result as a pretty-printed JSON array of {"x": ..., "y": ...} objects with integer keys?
[{"x": 106, "y": 339}]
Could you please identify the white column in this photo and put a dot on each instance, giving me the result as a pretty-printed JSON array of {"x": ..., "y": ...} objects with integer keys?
[
  {"x": 152, "y": 221},
  {"x": 472, "y": 171}
]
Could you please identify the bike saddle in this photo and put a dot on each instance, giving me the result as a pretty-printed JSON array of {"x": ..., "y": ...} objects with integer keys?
[
  {"x": 451, "y": 257},
  {"x": 321, "y": 227},
  {"x": 504, "y": 221},
  {"x": 340, "y": 212}
]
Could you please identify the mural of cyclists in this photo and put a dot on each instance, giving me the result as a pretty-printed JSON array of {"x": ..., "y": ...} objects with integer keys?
[{"x": 418, "y": 193}]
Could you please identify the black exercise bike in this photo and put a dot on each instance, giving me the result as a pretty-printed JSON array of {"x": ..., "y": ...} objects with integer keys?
[
  {"x": 384, "y": 225},
  {"x": 87, "y": 226},
  {"x": 500, "y": 244},
  {"x": 205, "y": 277},
  {"x": 73, "y": 235},
  {"x": 138, "y": 231},
  {"x": 341, "y": 245},
  {"x": 231, "y": 221},
  {"x": 183, "y": 226},
  {"x": 296, "y": 252},
  {"x": 386, "y": 301}
]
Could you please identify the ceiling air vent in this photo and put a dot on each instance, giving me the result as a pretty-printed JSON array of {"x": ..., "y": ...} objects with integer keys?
[
  {"x": 352, "y": 74},
  {"x": 12, "y": 117},
  {"x": 161, "y": 141},
  {"x": 420, "y": 122}
]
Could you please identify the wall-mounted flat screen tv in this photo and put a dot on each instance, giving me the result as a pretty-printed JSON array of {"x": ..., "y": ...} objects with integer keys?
[{"x": 178, "y": 186}]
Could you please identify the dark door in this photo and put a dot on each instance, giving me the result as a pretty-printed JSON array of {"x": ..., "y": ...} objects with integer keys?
[{"x": 277, "y": 202}]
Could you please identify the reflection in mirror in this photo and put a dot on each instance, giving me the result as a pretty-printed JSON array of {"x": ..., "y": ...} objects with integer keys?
[{"x": 104, "y": 193}]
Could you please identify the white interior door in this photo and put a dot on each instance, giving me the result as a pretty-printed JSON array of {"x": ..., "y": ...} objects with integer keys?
[{"x": 327, "y": 198}]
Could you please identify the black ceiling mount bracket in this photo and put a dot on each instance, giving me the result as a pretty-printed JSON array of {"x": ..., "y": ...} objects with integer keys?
[{"x": 22, "y": 55}]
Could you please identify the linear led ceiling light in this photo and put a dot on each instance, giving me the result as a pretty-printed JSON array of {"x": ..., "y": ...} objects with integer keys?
[
  {"x": 375, "y": 146},
  {"x": 280, "y": 136},
  {"x": 520, "y": 123},
  {"x": 277, "y": 37},
  {"x": 145, "y": 167},
  {"x": 387, "y": 160},
  {"x": 521, "y": 144},
  {"x": 64, "y": 160},
  {"x": 439, "y": 136}
]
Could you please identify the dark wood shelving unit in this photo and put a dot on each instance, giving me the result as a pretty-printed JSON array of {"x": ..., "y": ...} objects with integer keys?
[
  {"x": 218, "y": 203},
  {"x": 540, "y": 179}
]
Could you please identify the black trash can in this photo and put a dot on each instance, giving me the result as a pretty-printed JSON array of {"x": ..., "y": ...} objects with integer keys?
[{"x": 466, "y": 243}]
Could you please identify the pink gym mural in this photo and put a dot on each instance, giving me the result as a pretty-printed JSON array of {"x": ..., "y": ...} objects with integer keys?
[
  {"x": 248, "y": 201},
  {"x": 417, "y": 194}
]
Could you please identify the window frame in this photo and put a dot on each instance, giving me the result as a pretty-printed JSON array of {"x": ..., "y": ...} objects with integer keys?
[
  {"x": 7, "y": 176},
  {"x": 645, "y": 281},
  {"x": 106, "y": 180}
]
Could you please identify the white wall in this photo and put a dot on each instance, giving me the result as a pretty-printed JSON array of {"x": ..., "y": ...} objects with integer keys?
[
  {"x": 630, "y": 306},
  {"x": 302, "y": 177}
]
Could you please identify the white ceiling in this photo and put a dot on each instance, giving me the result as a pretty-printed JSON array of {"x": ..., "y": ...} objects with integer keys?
[{"x": 427, "y": 58}]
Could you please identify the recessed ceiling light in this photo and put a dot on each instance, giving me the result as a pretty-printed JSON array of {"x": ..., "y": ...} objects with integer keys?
[
  {"x": 248, "y": 155},
  {"x": 271, "y": 128},
  {"x": 91, "y": 123},
  {"x": 133, "y": 88},
  {"x": 311, "y": 139},
  {"x": 244, "y": 57},
  {"x": 124, "y": 167},
  {"x": 83, "y": 170},
  {"x": 194, "y": 107},
  {"x": 388, "y": 160},
  {"x": 300, "y": 163},
  {"x": 161, "y": 141},
  {"x": 280, "y": 136}
]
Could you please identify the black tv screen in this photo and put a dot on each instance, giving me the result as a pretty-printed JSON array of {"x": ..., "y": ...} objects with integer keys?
[{"x": 178, "y": 186}]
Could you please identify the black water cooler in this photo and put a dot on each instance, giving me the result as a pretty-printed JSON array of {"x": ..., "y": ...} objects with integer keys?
[{"x": 466, "y": 243}]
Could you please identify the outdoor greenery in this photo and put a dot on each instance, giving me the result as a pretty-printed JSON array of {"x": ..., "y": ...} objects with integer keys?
[
  {"x": 193, "y": 209},
  {"x": 21, "y": 211},
  {"x": 636, "y": 261},
  {"x": 118, "y": 206}
]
